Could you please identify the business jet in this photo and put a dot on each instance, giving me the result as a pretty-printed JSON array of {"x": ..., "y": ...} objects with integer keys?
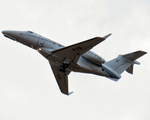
[{"x": 76, "y": 57}]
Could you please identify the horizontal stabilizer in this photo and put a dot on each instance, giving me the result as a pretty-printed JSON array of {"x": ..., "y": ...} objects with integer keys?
[
  {"x": 135, "y": 55},
  {"x": 125, "y": 62}
]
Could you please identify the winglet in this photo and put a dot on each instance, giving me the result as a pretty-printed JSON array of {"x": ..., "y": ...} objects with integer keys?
[
  {"x": 105, "y": 37},
  {"x": 71, "y": 93}
]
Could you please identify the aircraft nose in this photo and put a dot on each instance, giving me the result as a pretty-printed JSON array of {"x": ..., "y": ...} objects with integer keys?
[
  {"x": 8, "y": 32},
  {"x": 4, "y": 31}
]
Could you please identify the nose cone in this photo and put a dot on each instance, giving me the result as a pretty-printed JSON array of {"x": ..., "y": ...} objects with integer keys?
[{"x": 8, "y": 32}]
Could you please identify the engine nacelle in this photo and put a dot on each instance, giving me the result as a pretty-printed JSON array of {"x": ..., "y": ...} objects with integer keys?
[{"x": 93, "y": 57}]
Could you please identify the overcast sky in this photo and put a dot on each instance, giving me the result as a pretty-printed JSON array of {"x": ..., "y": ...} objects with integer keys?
[{"x": 28, "y": 89}]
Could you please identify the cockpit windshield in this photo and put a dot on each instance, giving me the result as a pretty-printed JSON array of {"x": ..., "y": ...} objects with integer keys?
[{"x": 29, "y": 31}]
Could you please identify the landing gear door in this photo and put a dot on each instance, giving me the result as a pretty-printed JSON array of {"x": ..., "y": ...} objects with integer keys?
[{"x": 41, "y": 42}]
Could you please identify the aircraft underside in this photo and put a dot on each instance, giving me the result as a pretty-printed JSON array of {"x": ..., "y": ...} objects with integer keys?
[{"x": 76, "y": 57}]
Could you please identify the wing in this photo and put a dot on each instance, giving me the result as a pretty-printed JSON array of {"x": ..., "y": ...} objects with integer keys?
[
  {"x": 67, "y": 56},
  {"x": 61, "y": 78},
  {"x": 73, "y": 52}
]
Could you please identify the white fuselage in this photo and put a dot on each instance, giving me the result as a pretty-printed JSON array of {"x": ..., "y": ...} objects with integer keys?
[{"x": 87, "y": 63}]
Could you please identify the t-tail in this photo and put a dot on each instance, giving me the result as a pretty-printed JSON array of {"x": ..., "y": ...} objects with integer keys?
[{"x": 114, "y": 68}]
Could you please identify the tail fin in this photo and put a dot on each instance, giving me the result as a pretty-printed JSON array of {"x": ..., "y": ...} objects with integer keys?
[{"x": 124, "y": 62}]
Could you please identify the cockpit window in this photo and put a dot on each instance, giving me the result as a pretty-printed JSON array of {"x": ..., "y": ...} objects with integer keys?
[{"x": 30, "y": 31}]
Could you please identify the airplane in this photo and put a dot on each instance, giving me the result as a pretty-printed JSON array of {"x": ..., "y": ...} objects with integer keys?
[{"x": 77, "y": 57}]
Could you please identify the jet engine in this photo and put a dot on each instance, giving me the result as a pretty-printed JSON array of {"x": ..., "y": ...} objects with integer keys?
[{"x": 94, "y": 58}]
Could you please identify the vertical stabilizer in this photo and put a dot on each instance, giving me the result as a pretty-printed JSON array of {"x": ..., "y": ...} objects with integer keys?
[{"x": 130, "y": 69}]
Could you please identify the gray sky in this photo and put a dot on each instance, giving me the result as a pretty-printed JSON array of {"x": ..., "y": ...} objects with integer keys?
[{"x": 28, "y": 90}]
